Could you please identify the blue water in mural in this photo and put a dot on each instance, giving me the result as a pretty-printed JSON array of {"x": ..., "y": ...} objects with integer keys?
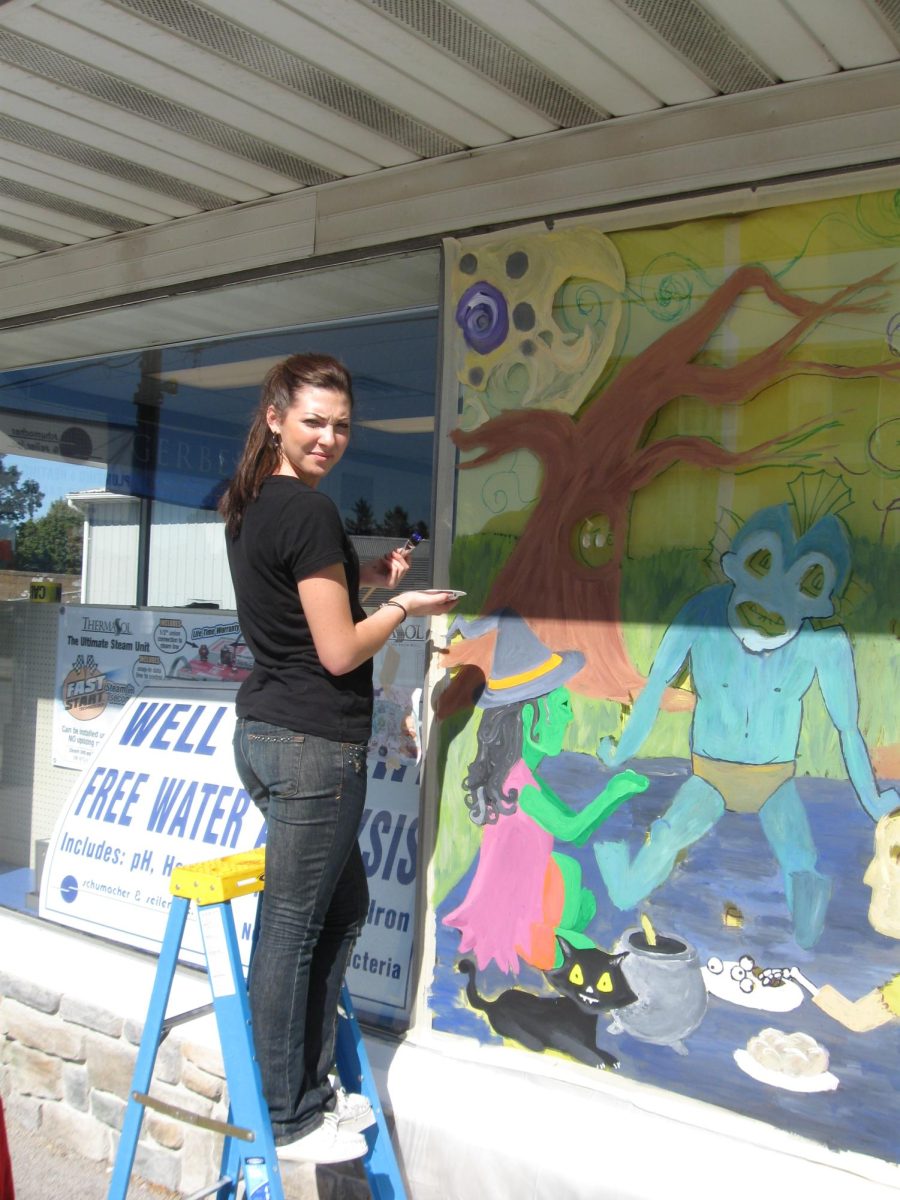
[{"x": 731, "y": 865}]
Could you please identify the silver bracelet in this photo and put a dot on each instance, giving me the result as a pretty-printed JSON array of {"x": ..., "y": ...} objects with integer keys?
[{"x": 395, "y": 604}]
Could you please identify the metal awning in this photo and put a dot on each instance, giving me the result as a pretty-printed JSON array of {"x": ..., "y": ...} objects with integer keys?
[{"x": 117, "y": 115}]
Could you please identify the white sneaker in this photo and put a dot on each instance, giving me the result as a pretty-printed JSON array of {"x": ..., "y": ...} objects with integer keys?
[
  {"x": 353, "y": 1110},
  {"x": 329, "y": 1143}
]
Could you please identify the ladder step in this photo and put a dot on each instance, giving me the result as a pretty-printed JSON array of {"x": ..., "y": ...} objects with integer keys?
[
  {"x": 192, "y": 1118},
  {"x": 212, "y": 886},
  {"x": 211, "y": 1189},
  {"x": 190, "y": 1014},
  {"x": 221, "y": 879}
]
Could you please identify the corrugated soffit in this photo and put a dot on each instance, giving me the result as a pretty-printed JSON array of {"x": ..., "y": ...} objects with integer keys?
[
  {"x": 241, "y": 46},
  {"x": 690, "y": 30},
  {"x": 442, "y": 26},
  {"x": 82, "y": 78},
  {"x": 890, "y": 10},
  {"x": 121, "y": 114}
]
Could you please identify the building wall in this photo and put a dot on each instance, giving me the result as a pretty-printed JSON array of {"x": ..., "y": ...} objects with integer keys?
[
  {"x": 847, "y": 120},
  {"x": 67, "y": 1055},
  {"x": 477, "y": 1123},
  {"x": 67, "y": 1070},
  {"x": 187, "y": 558},
  {"x": 591, "y": 169},
  {"x": 110, "y": 561}
]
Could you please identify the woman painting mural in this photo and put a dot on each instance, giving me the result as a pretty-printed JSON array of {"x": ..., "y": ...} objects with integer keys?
[
  {"x": 524, "y": 892},
  {"x": 304, "y": 720}
]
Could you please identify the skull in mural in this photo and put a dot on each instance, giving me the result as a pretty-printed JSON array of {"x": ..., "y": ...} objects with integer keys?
[{"x": 538, "y": 315}]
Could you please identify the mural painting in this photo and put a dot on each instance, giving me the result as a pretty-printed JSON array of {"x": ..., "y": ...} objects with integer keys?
[
  {"x": 668, "y": 838},
  {"x": 753, "y": 656}
]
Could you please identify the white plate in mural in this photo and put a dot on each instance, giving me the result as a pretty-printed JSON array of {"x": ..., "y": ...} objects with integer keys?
[
  {"x": 825, "y": 1081},
  {"x": 739, "y": 986}
]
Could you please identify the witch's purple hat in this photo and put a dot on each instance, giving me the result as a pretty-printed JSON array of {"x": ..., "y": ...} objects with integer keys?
[{"x": 522, "y": 668}]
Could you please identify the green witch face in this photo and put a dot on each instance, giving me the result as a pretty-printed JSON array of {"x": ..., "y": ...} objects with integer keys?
[{"x": 544, "y": 722}]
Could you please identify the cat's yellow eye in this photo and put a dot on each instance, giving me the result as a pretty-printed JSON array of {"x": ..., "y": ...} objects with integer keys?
[
  {"x": 605, "y": 983},
  {"x": 576, "y": 976}
]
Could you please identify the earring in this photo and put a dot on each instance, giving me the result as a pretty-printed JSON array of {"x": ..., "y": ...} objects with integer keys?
[{"x": 276, "y": 441}]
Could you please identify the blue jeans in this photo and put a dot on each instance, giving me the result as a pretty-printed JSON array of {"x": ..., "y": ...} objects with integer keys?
[{"x": 311, "y": 792}]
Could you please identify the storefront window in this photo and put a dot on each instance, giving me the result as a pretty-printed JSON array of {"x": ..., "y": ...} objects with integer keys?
[
  {"x": 110, "y": 470},
  {"x": 164, "y": 427}
]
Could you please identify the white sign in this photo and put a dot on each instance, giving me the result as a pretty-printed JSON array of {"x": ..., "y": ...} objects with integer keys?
[
  {"x": 379, "y": 974},
  {"x": 105, "y": 656},
  {"x": 161, "y": 790},
  {"x": 380, "y": 968},
  {"x": 92, "y": 442}
]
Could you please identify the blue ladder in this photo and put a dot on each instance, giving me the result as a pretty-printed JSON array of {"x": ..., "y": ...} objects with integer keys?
[{"x": 248, "y": 1131}]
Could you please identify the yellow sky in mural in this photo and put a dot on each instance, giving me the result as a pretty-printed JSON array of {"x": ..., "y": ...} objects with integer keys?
[{"x": 812, "y": 251}]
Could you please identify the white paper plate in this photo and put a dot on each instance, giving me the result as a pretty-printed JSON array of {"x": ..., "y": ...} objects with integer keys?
[
  {"x": 766, "y": 999},
  {"x": 824, "y": 1082}
]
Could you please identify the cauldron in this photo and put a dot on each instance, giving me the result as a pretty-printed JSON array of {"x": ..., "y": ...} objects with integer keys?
[{"x": 664, "y": 973}]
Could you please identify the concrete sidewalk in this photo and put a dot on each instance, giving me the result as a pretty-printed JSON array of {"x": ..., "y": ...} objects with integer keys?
[{"x": 43, "y": 1170}]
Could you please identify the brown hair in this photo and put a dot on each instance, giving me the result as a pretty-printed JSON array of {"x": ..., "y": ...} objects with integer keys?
[{"x": 262, "y": 455}]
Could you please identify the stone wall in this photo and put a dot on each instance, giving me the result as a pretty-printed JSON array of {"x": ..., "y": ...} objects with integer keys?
[
  {"x": 66, "y": 1068},
  {"x": 71, "y": 1020}
]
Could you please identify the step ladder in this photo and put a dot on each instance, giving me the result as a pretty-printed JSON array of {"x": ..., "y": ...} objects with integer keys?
[{"x": 247, "y": 1132}]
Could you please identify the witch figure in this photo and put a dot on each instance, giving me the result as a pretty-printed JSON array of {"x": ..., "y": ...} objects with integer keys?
[{"x": 525, "y": 891}]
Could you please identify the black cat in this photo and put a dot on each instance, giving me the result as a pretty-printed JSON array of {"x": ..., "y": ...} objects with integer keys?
[{"x": 592, "y": 983}]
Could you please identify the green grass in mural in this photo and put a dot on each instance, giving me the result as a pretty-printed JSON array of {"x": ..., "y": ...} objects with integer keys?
[
  {"x": 475, "y": 562},
  {"x": 653, "y": 590},
  {"x": 592, "y": 720},
  {"x": 457, "y": 837}
]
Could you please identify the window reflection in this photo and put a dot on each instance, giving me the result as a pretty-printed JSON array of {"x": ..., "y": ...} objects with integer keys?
[{"x": 122, "y": 459}]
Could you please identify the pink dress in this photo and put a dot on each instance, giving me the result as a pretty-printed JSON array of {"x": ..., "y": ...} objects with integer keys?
[{"x": 505, "y": 900}]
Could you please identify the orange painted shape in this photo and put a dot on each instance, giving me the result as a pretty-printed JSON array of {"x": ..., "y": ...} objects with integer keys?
[{"x": 542, "y": 952}]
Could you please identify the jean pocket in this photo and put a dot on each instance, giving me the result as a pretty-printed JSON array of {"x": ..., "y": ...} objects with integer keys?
[
  {"x": 277, "y": 759},
  {"x": 356, "y": 757}
]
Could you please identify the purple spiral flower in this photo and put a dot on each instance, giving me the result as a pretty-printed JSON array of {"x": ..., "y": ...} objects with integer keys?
[{"x": 483, "y": 317}]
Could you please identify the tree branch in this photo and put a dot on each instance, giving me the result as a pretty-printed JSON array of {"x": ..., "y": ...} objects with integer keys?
[
  {"x": 885, "y": 370},
  {"x": 666, "y": 368},
  {"x": 548, "y": 435},
  {"x": 659, "y": 456}
]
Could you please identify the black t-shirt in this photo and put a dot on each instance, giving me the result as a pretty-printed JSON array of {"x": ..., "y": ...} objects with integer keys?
[{"x": 288, "y": 533}]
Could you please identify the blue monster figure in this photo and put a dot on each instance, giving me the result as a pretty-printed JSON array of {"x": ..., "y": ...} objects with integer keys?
[{"x": 753, "y": 655}]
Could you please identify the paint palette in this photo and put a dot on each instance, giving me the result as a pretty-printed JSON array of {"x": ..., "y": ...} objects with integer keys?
[
  {"x": 825, "y": 1081},
  {"x": 741, "y": 982}
]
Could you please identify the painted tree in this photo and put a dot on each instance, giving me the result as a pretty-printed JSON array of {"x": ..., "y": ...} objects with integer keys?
[{"x": 594, "y": 463}]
